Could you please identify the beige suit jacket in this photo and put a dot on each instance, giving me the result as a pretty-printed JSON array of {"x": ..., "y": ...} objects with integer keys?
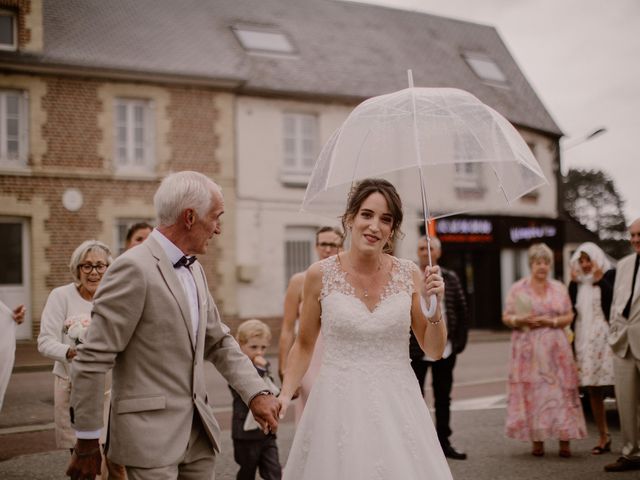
[
  {"x": 624, "y": 333},
  {"x": 142, "y": 329}
]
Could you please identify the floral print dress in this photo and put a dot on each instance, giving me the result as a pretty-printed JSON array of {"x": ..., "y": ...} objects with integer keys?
[{"x": 543, "y": 399}]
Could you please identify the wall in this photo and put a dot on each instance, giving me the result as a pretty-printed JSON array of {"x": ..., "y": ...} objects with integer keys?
[{"x": 71, "y": 146}]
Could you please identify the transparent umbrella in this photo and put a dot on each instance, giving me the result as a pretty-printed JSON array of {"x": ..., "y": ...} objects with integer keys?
[{"x": 422, "y": 140}]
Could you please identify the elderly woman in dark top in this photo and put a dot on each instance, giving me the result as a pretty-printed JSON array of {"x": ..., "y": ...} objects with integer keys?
[{"x": 591, "y": 292}]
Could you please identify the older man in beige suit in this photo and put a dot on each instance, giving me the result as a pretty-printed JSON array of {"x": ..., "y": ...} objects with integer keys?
[
  {"x": 154, "y": 322},
  {"x": 624, "y": 338}
]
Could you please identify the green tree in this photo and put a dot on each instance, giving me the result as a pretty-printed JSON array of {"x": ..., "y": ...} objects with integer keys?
[{"x": 591, "y": 197}]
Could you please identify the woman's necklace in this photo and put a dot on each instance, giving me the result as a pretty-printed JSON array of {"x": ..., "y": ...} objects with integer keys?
[{"x": 365, "y": 290}]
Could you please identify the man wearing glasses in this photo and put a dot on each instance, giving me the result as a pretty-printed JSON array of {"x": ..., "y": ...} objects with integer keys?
[{"x": 328, "y": 242}]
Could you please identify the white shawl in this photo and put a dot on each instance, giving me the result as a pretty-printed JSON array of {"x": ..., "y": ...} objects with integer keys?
[{"x": 584, "y": 299}]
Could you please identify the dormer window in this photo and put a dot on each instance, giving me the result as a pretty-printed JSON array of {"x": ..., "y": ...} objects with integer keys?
[
  {"x": 485, "y": 68},
  {"x": 263, "y": 40},
  {"x": 8, "y": 30}
]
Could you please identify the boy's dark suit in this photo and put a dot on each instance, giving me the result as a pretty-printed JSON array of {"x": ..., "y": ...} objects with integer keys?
[{"x": 253, "y": 449}]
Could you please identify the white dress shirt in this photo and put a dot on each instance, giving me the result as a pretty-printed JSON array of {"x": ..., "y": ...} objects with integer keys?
[{"x": 185, "y": 276}]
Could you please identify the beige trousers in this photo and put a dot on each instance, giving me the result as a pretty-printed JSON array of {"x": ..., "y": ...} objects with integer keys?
[
  {"x": 197, "y": 464},
  {"x": 627, "y": 385}
]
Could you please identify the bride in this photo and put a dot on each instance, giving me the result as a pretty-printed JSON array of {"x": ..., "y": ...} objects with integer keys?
[{"x": 365, "y": 417}]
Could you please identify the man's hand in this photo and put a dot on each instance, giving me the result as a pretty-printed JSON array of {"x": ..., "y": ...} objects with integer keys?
[
  {"x": 18, "y": 314},
  {"x": 85, "y": 460},
  {"x": 265, "y": 409}
]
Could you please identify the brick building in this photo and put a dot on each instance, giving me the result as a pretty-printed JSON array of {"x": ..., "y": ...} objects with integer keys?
[{"x": 99, "y": 100}]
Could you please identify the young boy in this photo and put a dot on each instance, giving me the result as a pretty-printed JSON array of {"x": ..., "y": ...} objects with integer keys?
[{"x": 252, "y": 449}]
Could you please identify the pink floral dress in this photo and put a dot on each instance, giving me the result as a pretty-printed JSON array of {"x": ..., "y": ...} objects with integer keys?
[{"x": 543, "y": 399}]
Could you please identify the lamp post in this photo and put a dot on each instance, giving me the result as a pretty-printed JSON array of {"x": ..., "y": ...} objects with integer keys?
[
  {"x": 579, "y": 141},
  {"x": 562, "y": 213},
  {"x": 586, "y": 138}
]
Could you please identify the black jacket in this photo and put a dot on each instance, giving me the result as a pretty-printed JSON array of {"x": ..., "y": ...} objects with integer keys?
[
  {"x": 457, "y": 316},
  {"x": 606, "y": 293}
]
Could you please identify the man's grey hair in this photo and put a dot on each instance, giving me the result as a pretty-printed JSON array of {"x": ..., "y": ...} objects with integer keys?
[
  {"x": 435, "y": 241},
  {"x": 81, "y": 251},
  {"x": 181, "y": 190}
]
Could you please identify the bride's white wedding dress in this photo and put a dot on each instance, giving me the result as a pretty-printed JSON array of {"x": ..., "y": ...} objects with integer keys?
[{"x": 365, "y": 417}]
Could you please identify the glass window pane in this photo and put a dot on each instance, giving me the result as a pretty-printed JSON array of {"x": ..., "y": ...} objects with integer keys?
[
  {"x": 307, "y": 147},
  {"x": 121, "y": 112},
  {"x": 139, "y": 155},
  {"x": 486, "y": 68},
  {"x": 12, "y": 127},
  {"x": 138, "y": 113},
  {"x": 12, "y": 148},
  {"x": 6, "y": 29},
  {"x": 122, "y": 135},
  {"x": 263, "y": 40},
  {"x": 289, "y": 126},
  {"x": 11, "y": 253},
  {"x": 138, "y": 135},
  {"x": 122, "y": 155},
  {"x": 12, "y": 104},
  {"x": 308, "y": 125}
]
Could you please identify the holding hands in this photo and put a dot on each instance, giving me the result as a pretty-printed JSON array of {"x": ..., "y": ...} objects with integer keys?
[{"x": 265, "y": 409}]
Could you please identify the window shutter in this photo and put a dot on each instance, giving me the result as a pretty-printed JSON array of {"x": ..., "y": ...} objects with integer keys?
[
  {"x": 24, "y": 129},
  {"x": 150, "y": 136}
]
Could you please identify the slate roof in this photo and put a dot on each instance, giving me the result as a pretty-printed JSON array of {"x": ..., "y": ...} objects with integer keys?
[{"x": 345, "y": 51}]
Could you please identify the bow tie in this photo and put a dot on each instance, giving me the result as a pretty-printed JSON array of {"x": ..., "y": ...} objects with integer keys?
[{"x": 185, "y": 262}]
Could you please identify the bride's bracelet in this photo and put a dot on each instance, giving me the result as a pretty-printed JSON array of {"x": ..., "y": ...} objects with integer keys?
[{"x": 436, "y": 322}]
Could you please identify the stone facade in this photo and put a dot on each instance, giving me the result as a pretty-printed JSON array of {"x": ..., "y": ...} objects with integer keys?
[{"x": 71, "y": 146}]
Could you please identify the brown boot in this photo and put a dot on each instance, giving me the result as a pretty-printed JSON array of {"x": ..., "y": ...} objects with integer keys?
[{"x": 565, "y": 451}]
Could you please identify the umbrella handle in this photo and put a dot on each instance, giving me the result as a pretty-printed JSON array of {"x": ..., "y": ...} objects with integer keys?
[{"x": 433, "y": 304}]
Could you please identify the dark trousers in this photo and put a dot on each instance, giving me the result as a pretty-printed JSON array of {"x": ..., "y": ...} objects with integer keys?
[
  {"x": 442, "y": 376},
  {"x": 261, "y": 455}
]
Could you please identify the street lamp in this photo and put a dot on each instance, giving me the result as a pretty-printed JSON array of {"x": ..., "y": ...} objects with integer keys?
[{"x": 586, "y": 138}]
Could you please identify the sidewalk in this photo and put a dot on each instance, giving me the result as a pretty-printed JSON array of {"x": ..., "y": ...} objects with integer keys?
[
  {"x": 28, "y": 359},
  {"x": 478, "y": 432}
]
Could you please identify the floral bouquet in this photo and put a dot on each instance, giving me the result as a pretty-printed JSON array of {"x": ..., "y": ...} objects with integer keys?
[{"x": 76, "y": 327}]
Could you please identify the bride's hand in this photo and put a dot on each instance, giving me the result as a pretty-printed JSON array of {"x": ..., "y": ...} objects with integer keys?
[
  {"x": 433, "y": 283},
  {"x": 285, "y": 401}
]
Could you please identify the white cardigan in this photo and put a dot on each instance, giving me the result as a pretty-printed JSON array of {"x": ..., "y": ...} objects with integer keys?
[{"x": 63, "y": 302}]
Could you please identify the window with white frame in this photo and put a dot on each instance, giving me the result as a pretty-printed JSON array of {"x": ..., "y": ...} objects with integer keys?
[
  {"x": 8, "y": 30},
  {"x": 467, "y": 170},
  {"x": 468, "y": 175},
  {"x": 485, "y": 67},
  {"x": 13, "y": 128},
  {"x": 300, "y": 147},
  {"x": 263, "y": 40},
  {"x": 134, "y": 136},
  {"x": 298, "y": 250}
]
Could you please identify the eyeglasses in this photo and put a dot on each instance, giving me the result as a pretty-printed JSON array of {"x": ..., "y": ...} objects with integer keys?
[
  {"x": 327, "y": 245},
  {"x": 88, "y": 268}
]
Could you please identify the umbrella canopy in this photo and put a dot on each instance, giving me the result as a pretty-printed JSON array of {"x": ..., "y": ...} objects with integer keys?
[{"x": 421, "y": 139}]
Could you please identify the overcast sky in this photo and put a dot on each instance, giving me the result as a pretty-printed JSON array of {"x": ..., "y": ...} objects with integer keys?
[{"x": 582, "y": 57}]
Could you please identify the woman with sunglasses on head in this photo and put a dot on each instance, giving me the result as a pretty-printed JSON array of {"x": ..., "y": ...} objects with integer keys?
[{"x": 63, "y": 325}]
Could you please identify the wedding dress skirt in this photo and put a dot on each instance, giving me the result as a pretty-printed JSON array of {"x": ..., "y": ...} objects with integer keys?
[{"x": 365, "y": 417}]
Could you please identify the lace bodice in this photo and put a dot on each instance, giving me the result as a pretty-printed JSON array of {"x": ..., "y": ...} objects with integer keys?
[{"x": 355, "y": 336}]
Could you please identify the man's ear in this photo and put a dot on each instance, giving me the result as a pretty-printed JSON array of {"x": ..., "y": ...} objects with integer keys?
[{"x": 188, "y": 218}]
